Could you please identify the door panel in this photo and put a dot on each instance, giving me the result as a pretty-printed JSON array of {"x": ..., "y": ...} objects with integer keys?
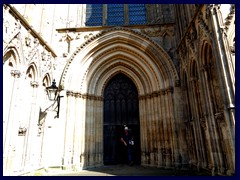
[{"x": 120, "y": 108}]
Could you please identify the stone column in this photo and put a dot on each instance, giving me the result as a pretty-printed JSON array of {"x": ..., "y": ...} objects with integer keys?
[
  {"x": 149, "y": 134},
  {"x": 156, "y": 128},
  {"x": 99, "y": 131},
  {"x": 160, "y": 131},
  {"x": 150, "y": 129},
  {"x": 77, "y": 133},
  {"x": 33, "y": 128},
  {"x": 179, "y": 127},
  {"x": 195, "y": 119},
  {"x": 167, "y": 138},
  {"x": 69, "y": 127},
  {"x": 82, "y": 119},
  {"x": 142, "y": 117},
  {"x": 91, "y": 122},
  {"x": 223, "y": 57},
  {"x": 212, "y": 130},
  {"x": 12, "y": 131},
  {"x": 228, "y": 150}
]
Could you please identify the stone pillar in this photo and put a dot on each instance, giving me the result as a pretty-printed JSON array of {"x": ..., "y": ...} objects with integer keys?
[
  {"x": 228, "y": 151},
  {"x": 77, "y": 133},
  {"x": 156, "y": 128},
  {"x": 83, "y": 131},
  {"x": 11, "y": 127},
  {"x": 194, "y": 146},
  {"x": 69, "y": 130},
  {"x": 90, "y": 120},
  {"x": 160, "y": 131},
  {"x": 143, "y": 129},
  {"x": 172, "y": 129},
  {"x": 181, "y": 158},
  {"x": 31, "y": 155},
  {"x": 223, "y": 57},
  {"x": 150, "y": 132},
  {"x": 99, "y": 131},
  {"x": 166, "y": 118}
]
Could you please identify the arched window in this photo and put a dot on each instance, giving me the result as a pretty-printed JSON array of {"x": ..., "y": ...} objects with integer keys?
[{"x": 115, "y": 14}]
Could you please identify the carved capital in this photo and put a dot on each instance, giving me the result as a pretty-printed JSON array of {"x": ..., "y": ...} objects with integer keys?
[
  {"x": 15, "y": 73},
  {"x": 155, "y": 94},
  {"x": 177, "y": 83},
  {"x": 22, "y": 131},
  {"x": 69, "y": 93},
  {"x": 206, "y": 67},
  {"x": 43, "y": 55},
  {"x": 203, "y": 123},
  {"x": 36, "y": 42},
  {"x": 149, "y": 96},
  {"x": 78, "y": 95},
  {"x": 193, "y": 79},
  {"x": 162, "y": 92},
  {"x": 203, "y": 25},
  {"x": 220, "y": 119},
  {"x": 18, "y": 25},
  {"x": 169, "y": 89},
  {"x": 34, "y": 84}
]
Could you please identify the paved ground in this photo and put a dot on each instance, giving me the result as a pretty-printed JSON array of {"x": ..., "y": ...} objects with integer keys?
[{"x": 120, "y": 170}]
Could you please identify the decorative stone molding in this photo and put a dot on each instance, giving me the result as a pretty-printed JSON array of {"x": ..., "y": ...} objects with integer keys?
[
  {"x": 155, "y": 94},
  {"x": 191, "y": 38},
  {"x": 206, "y": 67},
  {"x": 220, "y": 119},
  {"x": 144, "y": 37},
  {"x": 177, "y": 83},
  {"x": 203, "y": 25},
  {"x": 232, "y": 49},
  {"x": 83, "y": 96},
  {"x": 28, "y": 41},
  {"x": 36, "y": 42},
  {"x": 15, "y": 73},
  {"x": 169, "y": 89},
  {"x": 17, "y": 26},
  {"x": 67, "y": 37},
  {"x": 158, "y": 31},
  {"x": 148, "y": 96},
  {"x": 230, "y": 17},
  {"x": 78, "y": 95},
  {"x": 182, "y": 53},
  {"x": 34, "y": 84},
  {"x": 78, "y": 36},
  {"x": 203, "y": 123},
  {"x": 193, "y": 79},
  {"x": 22, "y": 131},
  {"x": 69, "y": 93},
  {"x": 162, "y": 92}
]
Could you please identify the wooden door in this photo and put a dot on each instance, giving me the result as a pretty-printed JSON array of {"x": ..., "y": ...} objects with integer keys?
[{"x": 120, "y": 108}]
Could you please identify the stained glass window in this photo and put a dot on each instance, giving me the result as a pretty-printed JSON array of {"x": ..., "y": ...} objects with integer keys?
[
  {"x": 137, "y": 14},
  {"x": 94, "y": 14},
  {"x": 115, "y": 14}
]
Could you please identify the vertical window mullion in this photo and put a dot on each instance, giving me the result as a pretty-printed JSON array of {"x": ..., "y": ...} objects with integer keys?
[
  {"x": 126, "y": 15},
  {"x": 105, "y": 12}
]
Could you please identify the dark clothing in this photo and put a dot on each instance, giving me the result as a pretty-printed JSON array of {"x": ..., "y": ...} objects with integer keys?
[{"x": 127, "y": 138}]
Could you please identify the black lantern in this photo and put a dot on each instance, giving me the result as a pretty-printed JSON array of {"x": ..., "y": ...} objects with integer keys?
[
  {"x": 53, "y": 95},
  {"x": 52, "y": 91}
]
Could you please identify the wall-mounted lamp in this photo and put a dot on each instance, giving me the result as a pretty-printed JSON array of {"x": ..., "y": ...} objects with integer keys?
[{"x": 53, "y": 95}]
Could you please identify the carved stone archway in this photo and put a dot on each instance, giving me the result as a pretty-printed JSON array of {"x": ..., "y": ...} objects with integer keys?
[{"x": 85, "y": 77}]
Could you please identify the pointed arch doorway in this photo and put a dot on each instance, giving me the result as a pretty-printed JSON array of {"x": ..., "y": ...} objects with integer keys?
[{"x": 120, "y": 107}]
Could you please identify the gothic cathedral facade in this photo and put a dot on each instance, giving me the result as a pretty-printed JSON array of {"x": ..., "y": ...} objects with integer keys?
[{"x": 167, "y": 71}]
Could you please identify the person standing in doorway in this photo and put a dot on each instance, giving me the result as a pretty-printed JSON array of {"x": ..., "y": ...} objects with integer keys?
[{"x": 127, "y": 139}]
